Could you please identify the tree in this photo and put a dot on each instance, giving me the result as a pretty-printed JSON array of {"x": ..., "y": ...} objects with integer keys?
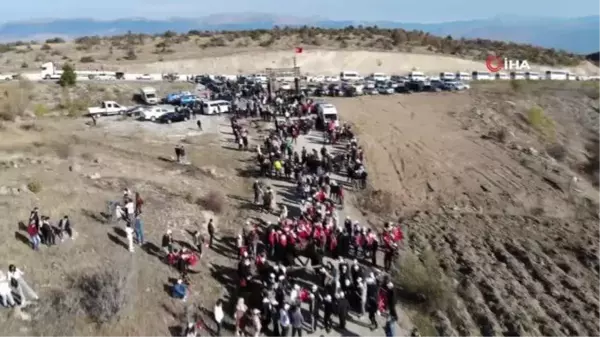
[{"x": 68, "y": 77}]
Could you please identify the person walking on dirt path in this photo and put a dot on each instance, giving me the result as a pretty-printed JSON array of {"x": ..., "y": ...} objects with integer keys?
[
  {"x": 129, "y": 234},
  {"x": 139, "y": 203},
  {"x": 211, "y": 233},
  {"x": 199, "y": 124},
  {"x": 297, "y": 321},
  {"x": 139, "y": 230},
  {"x": 342, "y": 310},
  {"x": 218, "y": 316},
  {"x": 5, "y": 291},
  {"x": 15, "y": 277},
  {"x": 240, "y": 312},
  {"x": 284, "y": 320},
  {"x": 167, "y": 242}
]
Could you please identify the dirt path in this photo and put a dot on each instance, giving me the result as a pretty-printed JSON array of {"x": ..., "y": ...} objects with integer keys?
[{"x": 286, "y": 194}]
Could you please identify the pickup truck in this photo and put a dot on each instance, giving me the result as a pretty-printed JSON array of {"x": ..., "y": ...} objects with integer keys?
[{"x": 108, "y": 108}]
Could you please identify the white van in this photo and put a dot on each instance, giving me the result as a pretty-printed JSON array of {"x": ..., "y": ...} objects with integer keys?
[
  {"x": 380, "y": 77},
  {"x": 215, "y": 107},
  {"x": 349, "y": 76},
  {"x": 482, "y": 76},
  {"x": 154, "y": 112},
  {"x": 416, "y": 76},
  {"x": 148, "y": 95},
  {"x": 261, "y": 78},
  {"x": 328, "y": 112}
]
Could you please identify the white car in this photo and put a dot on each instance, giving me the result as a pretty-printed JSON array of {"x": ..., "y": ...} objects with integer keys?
[
  {"x": 104, "y": 77},
  {"x": 285, "y": 86},
  {"x": 318, "y": 78},
  {"x": 145, "y": 77},
  {"x": 332, "y": 78},
  {"x": 154, "y": 112}
]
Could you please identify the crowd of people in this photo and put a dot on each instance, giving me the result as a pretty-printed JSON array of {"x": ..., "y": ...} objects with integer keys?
[
  {"x": 340, "y": 272},
  {"x": 295, "y": 274}
]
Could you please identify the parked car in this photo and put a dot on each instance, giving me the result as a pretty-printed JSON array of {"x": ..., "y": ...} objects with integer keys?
[
  {"x": 152, "y": 113},
  {"x": 145, "y": 77},
  {"x": 173, "y": 117},
  {"x": 187, "y": 99}
]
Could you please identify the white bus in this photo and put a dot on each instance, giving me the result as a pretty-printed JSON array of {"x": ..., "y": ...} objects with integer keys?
[
  {"x": 517, "y": 75},
  {"x": 532, "y": 75},
  {"x": 482, "y": 76},
  {"x": 349, "y": 76},
  {"x": 460, "y": 76},
  {"x": 556, "y": 75}
]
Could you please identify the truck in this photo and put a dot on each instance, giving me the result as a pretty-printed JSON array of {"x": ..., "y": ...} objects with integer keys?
[
  {"x": 51, "y": 72},
  {"x": 107, "y": 108},
  {"x": 148, "y": 95}
]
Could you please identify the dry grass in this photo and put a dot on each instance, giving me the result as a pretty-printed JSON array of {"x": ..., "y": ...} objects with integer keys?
[
  {"x": 377, "y": 201},
  {"x": 106, "y": 293},
  {"x": 15, "y": 100},
  {"x": 214, "y": 201},
  {"x": 541, "y": 122},
  {"x": 422, "y": 280},
  {"x": 34, "y": 186}
]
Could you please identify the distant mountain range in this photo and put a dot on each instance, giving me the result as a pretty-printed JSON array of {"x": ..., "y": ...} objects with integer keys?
[{"x": 578, "y": 35}]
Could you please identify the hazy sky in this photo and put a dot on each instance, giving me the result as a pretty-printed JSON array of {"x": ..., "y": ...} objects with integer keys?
[{"x": 396, "y": 10}]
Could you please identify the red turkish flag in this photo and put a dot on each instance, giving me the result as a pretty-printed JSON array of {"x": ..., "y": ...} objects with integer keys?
[{"x": 299, "y": 50}]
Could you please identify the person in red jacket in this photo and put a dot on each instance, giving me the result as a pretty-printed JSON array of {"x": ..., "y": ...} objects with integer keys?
[{"x": 34, "y": 235}]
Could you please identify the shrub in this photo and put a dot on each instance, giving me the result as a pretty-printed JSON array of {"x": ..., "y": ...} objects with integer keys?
[
  {"x": 34, "y": 186},
  {"x": 68, "y": 77},
  {"x": 40, "y": 110},
  {"x": 15, "y": 100},
  {"x": 542, "y": 123},
  {"x": 516, "y": 85},
  {"x": 376, "y": 201},
  {"x": 422, "y": 280},
  {"x": 56, "y": 40},
  {"x": 557, "y": 151},
  {"x": 87, "y": 59},
  {"x": 213, "y": 201},
  {"x": 24, "y": 65},
  {"x": 56, "y": 313},
  {"x": 130, "y": 55},
  {"x": 45, "y": 46},
  {"x": 104, "y": 293}
]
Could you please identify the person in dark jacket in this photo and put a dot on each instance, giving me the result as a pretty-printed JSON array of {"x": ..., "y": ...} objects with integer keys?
[
  {"x": 211, "y": 233},
  {"x": 342, "y": 306},
  {"x": 297, "y": 321},
  {"x": 167, "y": 242},
  {"x": 372, "y": 303},
  {"x": 391, "y": 300},
  {"x": 327, "y": 313}
]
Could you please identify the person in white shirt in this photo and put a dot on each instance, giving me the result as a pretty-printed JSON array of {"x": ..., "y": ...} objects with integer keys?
[
  {"x": 129, "y": 232},
  {"x": 23, "y": 289},
  {"x": 130, "y": 207},
  {"x": 284, "y": 320},
  {"x": 5, "y": 291},
  {"x": 219, "y": 314}
]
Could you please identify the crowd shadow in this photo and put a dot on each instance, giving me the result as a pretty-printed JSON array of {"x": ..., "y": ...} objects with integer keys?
[
  {"x": 22, "y": 237},
  {"x": 100, "y": 217},
  {"x": 115, "y": 239}
]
